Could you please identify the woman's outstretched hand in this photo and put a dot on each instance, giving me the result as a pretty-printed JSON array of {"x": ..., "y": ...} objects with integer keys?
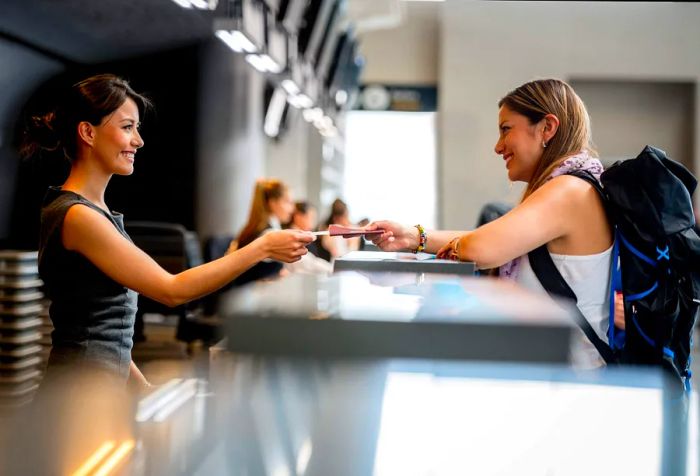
[
  {"x": 287, "y": 245},
  {"x": 450, "y": 250},
  {"x": 395, "y": 237}
]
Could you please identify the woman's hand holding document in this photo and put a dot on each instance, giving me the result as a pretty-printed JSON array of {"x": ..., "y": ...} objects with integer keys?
[{"x": 346, "y": 231}]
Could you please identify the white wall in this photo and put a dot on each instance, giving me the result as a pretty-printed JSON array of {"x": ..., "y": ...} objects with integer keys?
[
  {"x": 231, "y": 148},
  {"x": 286, "y": 158},
  {"x": 489, "y": 48},
  {"x": 407, "y": 54}
]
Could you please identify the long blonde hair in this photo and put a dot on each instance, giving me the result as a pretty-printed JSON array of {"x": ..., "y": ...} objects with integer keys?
[
  {"x": 259, "y": 216},
  {"x": 535, "y": 100}
]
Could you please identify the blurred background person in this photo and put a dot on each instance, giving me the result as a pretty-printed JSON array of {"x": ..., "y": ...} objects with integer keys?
[
  {"x": 304, "y": 219},
  {"x": 331, "y": 247}
]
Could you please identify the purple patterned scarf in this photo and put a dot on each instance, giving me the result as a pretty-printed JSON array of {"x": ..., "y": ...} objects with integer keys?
[{"x": 580, "y": 161}]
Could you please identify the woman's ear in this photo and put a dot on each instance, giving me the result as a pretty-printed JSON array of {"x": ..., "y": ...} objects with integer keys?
[
  {"x": 86, "y": 132},
  {"x": 551, "y": 125}
]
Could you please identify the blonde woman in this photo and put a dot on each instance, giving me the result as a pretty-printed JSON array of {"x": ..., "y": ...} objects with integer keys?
[
  {"x": 544, "y": 133},
  {"x": 271, "y": 206}
]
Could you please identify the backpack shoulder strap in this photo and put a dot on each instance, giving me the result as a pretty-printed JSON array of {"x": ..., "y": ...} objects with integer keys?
[
  {"x": 590, "y": 178},
  {"x": 553, "y": 282}
]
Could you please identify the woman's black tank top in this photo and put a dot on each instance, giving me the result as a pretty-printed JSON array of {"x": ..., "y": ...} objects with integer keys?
[{"x": 93, "y": 315}]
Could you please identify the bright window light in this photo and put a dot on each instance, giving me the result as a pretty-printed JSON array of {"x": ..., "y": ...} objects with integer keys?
[
  {"x": 492, "y": 426},
  {"x": 390, "y": 166}
]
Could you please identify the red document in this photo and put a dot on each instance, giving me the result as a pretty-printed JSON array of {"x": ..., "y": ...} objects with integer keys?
[{"x": 346, "y": 231}]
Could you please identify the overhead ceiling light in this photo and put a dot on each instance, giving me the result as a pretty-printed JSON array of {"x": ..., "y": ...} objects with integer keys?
[
  {"x": 236, "y": 40},
  {"x": 200, "y": 4},
  {"x": 228, "y": 31},
  {"x": 312, "y": 115},
  {"x": 341, "y": 97},
  {"x": 257, "y": 62},
  {"x": 271, "y": 65},
  {"x": 290, "y": 86},
  {"x": 300, "y": 101},
  {"x": 263, "y": 63},
  {"x": 275, "y": 111}
]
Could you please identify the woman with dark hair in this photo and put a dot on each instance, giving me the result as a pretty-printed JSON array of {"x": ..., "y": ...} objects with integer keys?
[
  {"x": 544, "y": 133},
  {"x": 91, "y": 269},
  {"x": 331, "y": 247},
  {"x": 304, "y": 218}
]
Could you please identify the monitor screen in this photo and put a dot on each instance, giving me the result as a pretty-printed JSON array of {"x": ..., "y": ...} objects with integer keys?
[
  {"x": 343, "y": 54},
  {"x": 329, "y": 43},
  {"x": 315, "y": 26},
  {"x": 276, "y": 111},
  {"x": 277, "y": 46},
  {"x": 254, "y": 22}
]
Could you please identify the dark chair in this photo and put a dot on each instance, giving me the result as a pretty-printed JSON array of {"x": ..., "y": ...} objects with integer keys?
[
  {"x": 214, "y": 248},
  {"x": 176, "y": 249},
  {"x": 491, "y": 211}
]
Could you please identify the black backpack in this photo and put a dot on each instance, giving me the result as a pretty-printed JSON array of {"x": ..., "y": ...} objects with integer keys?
[{"x": 655, "y": 263}]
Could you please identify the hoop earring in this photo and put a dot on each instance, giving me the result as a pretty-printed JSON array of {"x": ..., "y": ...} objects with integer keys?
[{"x": 544, "y": 145}]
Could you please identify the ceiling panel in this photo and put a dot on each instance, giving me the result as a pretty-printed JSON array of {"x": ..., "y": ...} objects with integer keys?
[{"x": 89, "y": 31}]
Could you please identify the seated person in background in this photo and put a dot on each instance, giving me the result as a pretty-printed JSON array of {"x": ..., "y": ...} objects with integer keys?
[
  {"x": 544, "y": 132},
  {"x": 363, "y": 243},
  {"x": 331, "y": 247},
  {"x": 90, "y": 267},
  {"x": 304, "y": 218},
  {"x": 271, "y": 206}
]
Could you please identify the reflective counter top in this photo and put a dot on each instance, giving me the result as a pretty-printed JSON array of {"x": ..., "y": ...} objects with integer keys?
[
  {"x": 376, "y": 314},
  {"x": 357, "y": 417}
]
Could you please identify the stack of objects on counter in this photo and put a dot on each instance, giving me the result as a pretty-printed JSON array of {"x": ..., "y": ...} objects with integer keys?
[{"x": 20, "y": 308}]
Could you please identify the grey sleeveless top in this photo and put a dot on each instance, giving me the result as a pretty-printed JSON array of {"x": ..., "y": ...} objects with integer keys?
[{"x": 93, "y": 315}]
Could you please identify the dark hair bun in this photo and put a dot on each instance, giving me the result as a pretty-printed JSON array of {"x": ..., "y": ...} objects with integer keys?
[{"x": 39, "y": 134}]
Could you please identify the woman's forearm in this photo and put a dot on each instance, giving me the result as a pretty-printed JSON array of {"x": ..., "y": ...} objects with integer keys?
[
  {"x": 436, "y": 239},
  {"x": 202, "y": 280},
  {"x": 137, "y": 377}
]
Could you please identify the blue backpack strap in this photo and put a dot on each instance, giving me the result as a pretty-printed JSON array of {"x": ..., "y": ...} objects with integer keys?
[
  {"x": 555, "y": 285},
  {"x": 616, "y": 337}
]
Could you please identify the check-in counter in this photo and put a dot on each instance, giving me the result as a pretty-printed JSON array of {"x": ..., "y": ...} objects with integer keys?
[
  {"x": 415, "y": 417},
  {"x": 433, "y": 316},
  {"x": 356, "y": 417},
  {"x": 400, "y": 262}
]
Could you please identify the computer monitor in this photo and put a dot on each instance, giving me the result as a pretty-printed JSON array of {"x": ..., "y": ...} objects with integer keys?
[
  {"x": 254, "y": 22},
  {"x": 276, "y": 111},
  {"x": 277, "y": 44},
  {"x": 329, "y": 42},
  {"x": 314, "y": 29},
  {"x": 343, "y": 54}
]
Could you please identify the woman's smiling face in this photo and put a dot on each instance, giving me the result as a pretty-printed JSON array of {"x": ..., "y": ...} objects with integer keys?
[
  {"x": 117, "y": 138},
  {"x": 519, "y": 143}
]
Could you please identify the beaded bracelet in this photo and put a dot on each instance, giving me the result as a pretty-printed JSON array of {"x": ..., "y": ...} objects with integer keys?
[{"x": 422, "y": 239}]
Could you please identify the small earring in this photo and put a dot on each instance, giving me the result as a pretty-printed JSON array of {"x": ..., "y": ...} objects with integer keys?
[{"x": 544, "y": 145}]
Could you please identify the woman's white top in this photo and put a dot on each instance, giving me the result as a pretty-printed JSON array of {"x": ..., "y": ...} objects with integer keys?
[{"x": 588, "y": 277}]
